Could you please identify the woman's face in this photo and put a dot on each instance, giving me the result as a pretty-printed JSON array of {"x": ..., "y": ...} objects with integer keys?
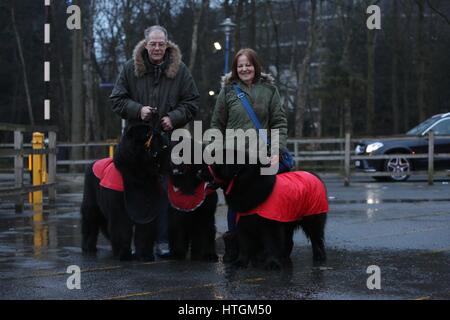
[{"x": 245, "y": 69}]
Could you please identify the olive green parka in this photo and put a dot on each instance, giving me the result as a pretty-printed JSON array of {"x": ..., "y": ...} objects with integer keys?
[{"x": 229, "y": 113}]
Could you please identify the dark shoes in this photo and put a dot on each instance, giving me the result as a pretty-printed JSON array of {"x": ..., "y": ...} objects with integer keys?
[{"x": 231, "y": 247}]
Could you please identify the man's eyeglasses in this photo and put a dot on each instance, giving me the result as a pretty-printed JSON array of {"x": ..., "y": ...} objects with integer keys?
[{"x": 157, "y": 44}]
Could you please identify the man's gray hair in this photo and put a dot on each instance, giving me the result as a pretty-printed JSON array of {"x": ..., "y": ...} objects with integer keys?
[{"x": 155, "y": 28}]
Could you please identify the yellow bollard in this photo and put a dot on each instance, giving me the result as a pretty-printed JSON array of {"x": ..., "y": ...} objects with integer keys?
[
  {"x": 40, "y": 230},
  {"x": 111, "y": 151},
  {"x": 112, "y": 145},
  {"x": 30, "y": 168},
  {"x": 38, "y": 144}
]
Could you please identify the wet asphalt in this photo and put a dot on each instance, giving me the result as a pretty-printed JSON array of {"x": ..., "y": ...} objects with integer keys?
[{"x": 403, "y": 228}]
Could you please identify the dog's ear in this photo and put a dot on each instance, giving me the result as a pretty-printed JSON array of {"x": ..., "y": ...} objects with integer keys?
[{"x": 132, "y": 132}]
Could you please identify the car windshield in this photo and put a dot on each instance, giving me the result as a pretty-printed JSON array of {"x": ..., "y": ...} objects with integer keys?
[{"x": 417, "y": 130}]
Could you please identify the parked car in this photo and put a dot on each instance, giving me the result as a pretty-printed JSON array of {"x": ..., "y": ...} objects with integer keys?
[{"x": 399, "y": 167}]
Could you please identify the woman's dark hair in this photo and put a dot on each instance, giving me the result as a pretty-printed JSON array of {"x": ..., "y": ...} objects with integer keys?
[{"x": 252, "y": 57}]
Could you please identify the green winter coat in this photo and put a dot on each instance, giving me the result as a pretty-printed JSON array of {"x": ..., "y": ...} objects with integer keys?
[
  {"x": 229, "y": 113},
  {"x": 169, "y": 87}
]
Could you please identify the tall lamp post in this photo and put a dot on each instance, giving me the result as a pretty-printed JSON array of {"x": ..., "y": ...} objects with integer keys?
[{"x": 227, "y": 27}]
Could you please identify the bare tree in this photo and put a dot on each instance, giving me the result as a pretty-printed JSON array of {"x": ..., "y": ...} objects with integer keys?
[
  {"x": 77, "y": 116},
  {"x": 370, "y": 89},
  {"x": 58, "y": 54},
  {"x": 321, "y": 59},
  {"x": 198, "y": 11},
  {"x": 394, "y": 68},
  {"x": 345, "y": 12},
  {"x": 304, "y": 71},
  {"x": 92, "y": 127},
  {"x": 237, "y": 30},
  {"x": 22, "y": 61},
  {"x": 252, "y": 25},
  {"x": 275, "y": 25},
  {"x": 420, "y": 58}
]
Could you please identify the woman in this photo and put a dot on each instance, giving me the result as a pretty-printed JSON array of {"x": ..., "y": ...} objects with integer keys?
[{"x": 230, "y": 113}]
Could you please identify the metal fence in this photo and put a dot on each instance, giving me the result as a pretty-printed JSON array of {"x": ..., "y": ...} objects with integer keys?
[
  {"x": 327, "y": 150},
  {"x": 19, "y": 151},
  {"x": 343, "y": 151}
]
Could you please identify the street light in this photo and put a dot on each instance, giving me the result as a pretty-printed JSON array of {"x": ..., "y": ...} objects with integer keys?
[{"x": 227, "y": 27}]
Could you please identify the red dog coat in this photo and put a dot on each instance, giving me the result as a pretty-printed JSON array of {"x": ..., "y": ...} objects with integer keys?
[
  {"x": 107, "y": 173},
  {"x": 295, "y": 195},
  {"x": 187, "y": 202}
]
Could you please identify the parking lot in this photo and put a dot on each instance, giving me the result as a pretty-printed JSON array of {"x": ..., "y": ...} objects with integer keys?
[{"x": 401, "y": 228}]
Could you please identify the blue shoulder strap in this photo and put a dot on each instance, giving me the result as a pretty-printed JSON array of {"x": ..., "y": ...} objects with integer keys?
[
  {"x": 241, "y": 95},
  {"x": 257, "y": 124}
]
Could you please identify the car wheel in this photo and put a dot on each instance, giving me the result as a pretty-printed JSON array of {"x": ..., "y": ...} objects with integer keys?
[{"x": 398, "y": 167}]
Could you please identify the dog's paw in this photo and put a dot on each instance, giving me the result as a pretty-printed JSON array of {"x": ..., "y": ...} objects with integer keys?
[
  {"x": 178, "y": 256},
  {"x": 319, "y": 257},
  {"x": 319, "y": 262},
  {"x": 272, "y": 264},
  {"x": 211, "y": 257},
  {"x": 125, "y": 256},
  {"x": 144, "y": 258},
  {"x": 89, "y": 251},
  {"x": 240, "y": 263}
]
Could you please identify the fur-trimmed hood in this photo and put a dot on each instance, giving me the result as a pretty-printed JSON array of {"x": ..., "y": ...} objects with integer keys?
[
  {"x": 174, "y": 59},
  {"x": 265, "y": 78}
]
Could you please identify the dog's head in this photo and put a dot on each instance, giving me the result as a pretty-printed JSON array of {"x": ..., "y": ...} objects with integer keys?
[
  {"x": 238, "y": 168},
  {"x": 185, "y": 167},
  {"x": 143, "y": 149}
]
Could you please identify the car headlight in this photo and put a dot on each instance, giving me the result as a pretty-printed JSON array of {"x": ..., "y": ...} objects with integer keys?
[{"x": 373, "y": 147}]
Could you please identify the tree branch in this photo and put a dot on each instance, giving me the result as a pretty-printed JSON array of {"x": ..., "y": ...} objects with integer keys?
[{"x": 443, "y": 16}]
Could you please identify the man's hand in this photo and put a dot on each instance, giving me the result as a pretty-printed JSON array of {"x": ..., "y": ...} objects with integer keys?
[
  {"x": 147, "y": 112},
  {"x": 166, "y": 124}
]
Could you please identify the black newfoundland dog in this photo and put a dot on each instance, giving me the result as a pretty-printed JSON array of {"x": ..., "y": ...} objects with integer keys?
[
  {"x": 123, "y": 193},
  {"x": 270, "y": 208},
  {"x": 192, "y": 210}
]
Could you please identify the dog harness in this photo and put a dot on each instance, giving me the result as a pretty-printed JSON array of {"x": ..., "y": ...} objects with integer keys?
[
  {"x": 188, "y": 202},
  {"x": 107, "y": 173},
  {"x": 295, "y": 195}
]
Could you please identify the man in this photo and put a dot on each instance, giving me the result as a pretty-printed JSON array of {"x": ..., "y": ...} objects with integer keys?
[{"x": 156, "y": 84}]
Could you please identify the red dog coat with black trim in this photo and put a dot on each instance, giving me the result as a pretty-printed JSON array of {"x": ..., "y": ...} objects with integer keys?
[
  {"x": 107, "y": 173},
  {"x": 295, "y": 195},
  {"x": 187, "y": 202}
]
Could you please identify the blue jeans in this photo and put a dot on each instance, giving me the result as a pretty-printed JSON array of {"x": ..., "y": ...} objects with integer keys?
[
  {"x": 163, "y": 218},
  {"x": 231, "y": 218}
]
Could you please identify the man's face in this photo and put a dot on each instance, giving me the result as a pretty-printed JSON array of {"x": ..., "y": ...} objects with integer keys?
[{"x": 156, "y": 46}]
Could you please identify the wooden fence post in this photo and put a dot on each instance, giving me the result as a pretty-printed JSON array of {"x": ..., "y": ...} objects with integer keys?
[
  {"x": 430, "y": 157},
  {"x": 18, "y": 168},
  {"x": 296, "y": 153},
  {"x": 52, "y": 166},
  {"x": 347, "y": 160}
]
